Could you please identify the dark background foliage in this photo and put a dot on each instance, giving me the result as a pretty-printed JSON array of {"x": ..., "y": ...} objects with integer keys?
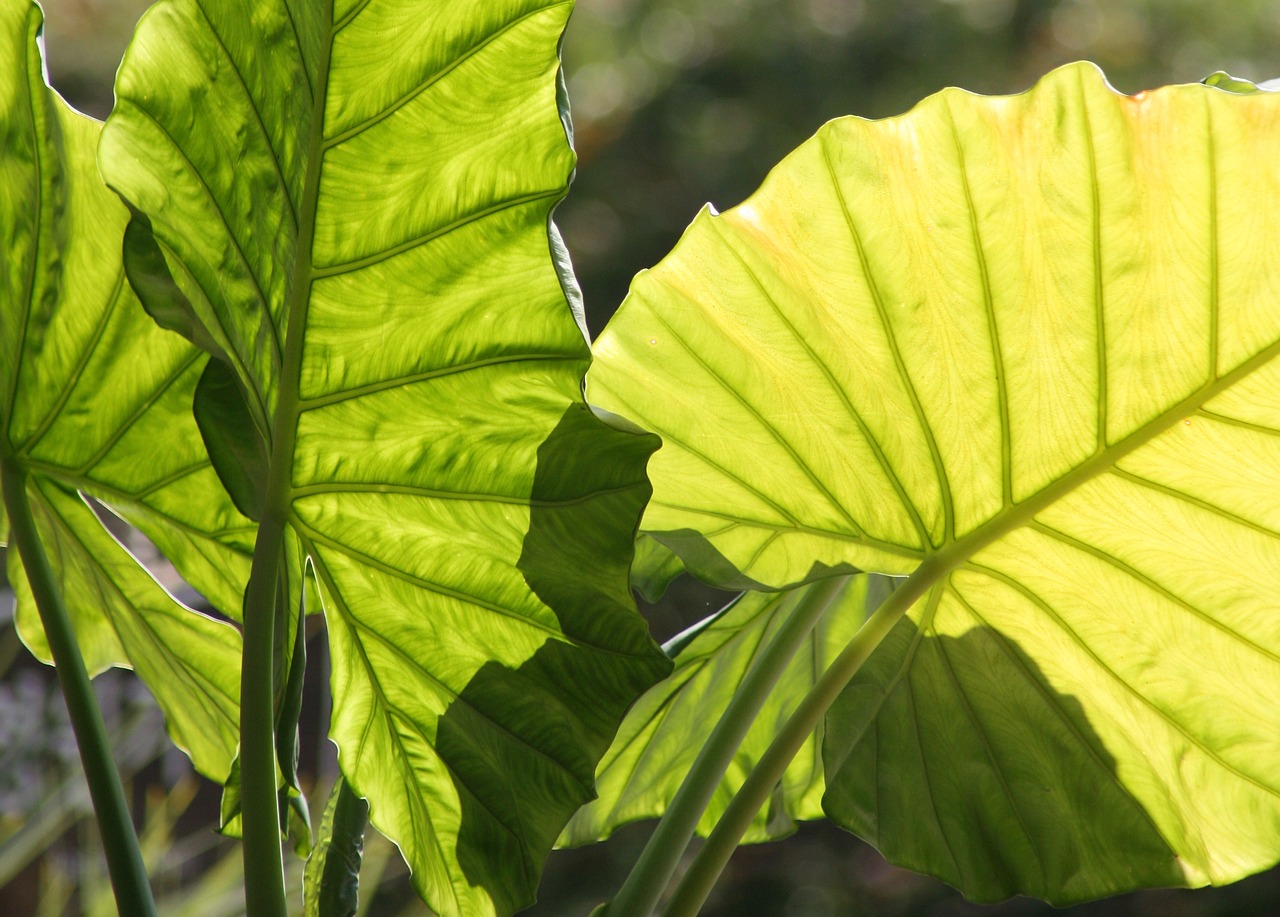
[{"x": 675, "y": 103}]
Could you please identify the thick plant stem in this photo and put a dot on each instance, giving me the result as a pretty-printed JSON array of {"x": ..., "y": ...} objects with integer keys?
[
  {"x": 119, "y": 839},
  {"x": 263, "y": 863},
  {"x": 693, "y": 888},
  {"x": 649, "y": 877}
]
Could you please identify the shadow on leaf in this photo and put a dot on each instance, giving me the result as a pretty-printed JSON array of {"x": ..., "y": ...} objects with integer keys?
[
  {"x": 955, "y": 757},
  {"x": 522, "y": 744}
]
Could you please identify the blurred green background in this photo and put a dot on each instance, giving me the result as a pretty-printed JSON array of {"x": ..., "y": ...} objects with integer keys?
[{"x": 674, "y": 104}]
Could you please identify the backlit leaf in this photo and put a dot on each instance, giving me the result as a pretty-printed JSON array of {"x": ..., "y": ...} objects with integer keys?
[
  {"x": 96, "y": 398},
  {"x": 1024, "y": 350},
  {"x": 354, "y": 200}
]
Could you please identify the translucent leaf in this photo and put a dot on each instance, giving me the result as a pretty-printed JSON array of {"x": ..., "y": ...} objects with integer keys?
[
  {"x": 353, "y": 203},
  {"x": 94, "y": 397},
  {"x": 1024, "y": 350}
]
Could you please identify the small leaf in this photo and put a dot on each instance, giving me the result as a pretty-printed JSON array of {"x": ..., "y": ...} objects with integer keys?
[
  {"x": 1225, "y": 81},
  {"x": 235, "y": 447},
  {"x": 654, "y": 568},
  {"x": 149, "y": 276},
  {"x": 288, "y": 710},
  {"x": 333, "y": 871}
]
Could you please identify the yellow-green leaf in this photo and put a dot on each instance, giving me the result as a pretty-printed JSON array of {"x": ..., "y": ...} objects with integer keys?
[
  {"x": 663, "y": 733},
  {"x": 1022, "y": 349}
]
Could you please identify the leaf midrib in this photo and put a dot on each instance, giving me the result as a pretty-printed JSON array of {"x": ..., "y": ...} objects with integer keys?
[
  {"x": 284, "y": 428},
  {"x": 1019, "y": 514},
  {"x": 1164, "y": 715},
  {"x": 935, "y": 568},
  {"x": 34, "y": 98}
]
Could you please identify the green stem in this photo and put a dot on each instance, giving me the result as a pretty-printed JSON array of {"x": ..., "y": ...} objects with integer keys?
[
  {"x": 649, "y": 877},
  {"x": 706, "y": 867},
  {"x": 119, "y": 839},
  {"x": 263, "y": 862}
]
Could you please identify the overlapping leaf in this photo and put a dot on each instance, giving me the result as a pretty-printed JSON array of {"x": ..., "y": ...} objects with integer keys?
[
  {"x": 96, "y": 399},
  {"x": 353, "y": 200},
  {"x": 1023, "y": 349},
  {"x": 663, "y": 733}
]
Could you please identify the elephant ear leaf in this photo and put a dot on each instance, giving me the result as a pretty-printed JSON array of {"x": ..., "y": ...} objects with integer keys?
[
  {"x": 353, "y": 203},
  {"x": 95, "y": 399},
  {"x": 1022, "y": 350}
]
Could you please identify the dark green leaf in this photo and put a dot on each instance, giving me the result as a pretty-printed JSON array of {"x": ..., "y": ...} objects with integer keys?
[
  {"x": 333, "y": 870},
  {"x": 235, "y": 446}
]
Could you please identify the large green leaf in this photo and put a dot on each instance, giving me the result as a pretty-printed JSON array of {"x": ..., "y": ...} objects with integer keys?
[
  {"x": 1022, "y": 349},
  {"x": 354, "y": 202},
  {"x": 663, "y": 733},
  {"x": 96, "y": 398}
]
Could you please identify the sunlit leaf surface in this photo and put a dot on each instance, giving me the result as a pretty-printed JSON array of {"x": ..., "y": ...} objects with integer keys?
[
  {"x": 95, "y": 398},
  {"x": 1024, "y": 349},
  {"x": 354, "y": 202}
]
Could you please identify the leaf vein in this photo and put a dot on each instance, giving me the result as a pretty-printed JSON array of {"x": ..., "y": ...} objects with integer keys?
[
  {"x": 838, "y": 389},
  {"x": 993, "y": 329},
  {"x": 1160, "y": 713},
  {"x": 430, "y": 80},
  {"x": 800, "y": 463},
  {"x": 1194, "y": 501},
  {"x": 410, "y": 490},
  {"x": 1055, "y": 704},
  {"x": 1145, "y": 580},
  {"x": 944, "y": 485},
  {"x": 257, "y": 114},
  {"x": 82, "y": 360},
  {"x": 386, "y": 254},
  {"x": 992, "y": 757},
  {"x": 373, "y": 388},
  {"x": 457, "y": 595},
  {"x": 222, "y": 218}
]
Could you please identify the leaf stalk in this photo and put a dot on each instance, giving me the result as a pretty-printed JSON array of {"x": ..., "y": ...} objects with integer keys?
[
  {"x": 658, "y": 861},
  {"x": 119, "y": 839},
  {"x": 263, "y": 862},
  {"x": 696, "y": 884}
]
